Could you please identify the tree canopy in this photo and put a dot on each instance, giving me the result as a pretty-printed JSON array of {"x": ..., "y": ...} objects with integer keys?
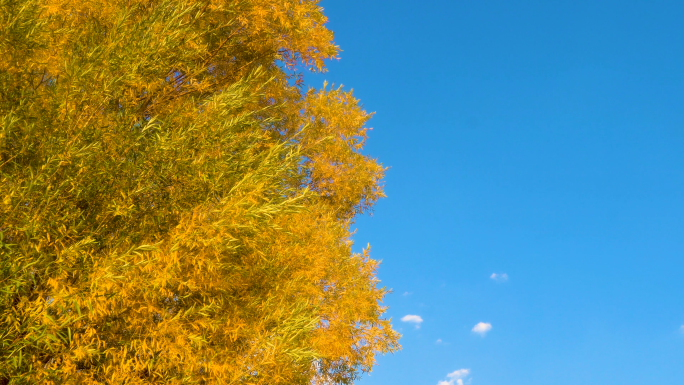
[{"x": 175, "y": 207}]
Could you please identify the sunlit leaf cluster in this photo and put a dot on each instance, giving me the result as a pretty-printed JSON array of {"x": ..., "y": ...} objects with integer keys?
[{"x": 174, "y": 207}]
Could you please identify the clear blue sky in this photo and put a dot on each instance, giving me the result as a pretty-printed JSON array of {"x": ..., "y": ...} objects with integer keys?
[{"x": 541, "y": 139}]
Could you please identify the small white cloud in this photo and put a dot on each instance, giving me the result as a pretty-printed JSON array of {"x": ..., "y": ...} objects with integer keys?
[
  {"x": 456, "y": 377},
  {"x": 482, "y": 328},
  {"x": 503, "y": 277},
  {"x": 406, "y": 293},
  {"x": 681, "y": 329},
  {"x": 415, "y": 319}
]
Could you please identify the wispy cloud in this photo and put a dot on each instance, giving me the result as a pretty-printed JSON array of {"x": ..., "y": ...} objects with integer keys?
[
  {"x": 414, "y": 319},
  {"x": 456, "y": 377},
  {"x": 482, "y": 328},
  {"x": 407, "y": 293},
  {"x": 502, "y": 277},
  {"x": 681, "y": 329}
]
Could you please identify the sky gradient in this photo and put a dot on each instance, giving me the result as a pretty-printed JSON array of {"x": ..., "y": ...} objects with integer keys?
[{"x": 540, "y": 140}]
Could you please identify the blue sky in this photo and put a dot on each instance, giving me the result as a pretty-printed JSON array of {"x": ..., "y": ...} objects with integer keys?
[{"x": 540, "y": 139}]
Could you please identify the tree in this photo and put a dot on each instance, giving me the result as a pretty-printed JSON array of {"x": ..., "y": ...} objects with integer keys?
[{"x": 174, "y": 207}]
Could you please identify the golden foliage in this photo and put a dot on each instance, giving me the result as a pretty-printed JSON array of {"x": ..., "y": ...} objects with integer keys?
[{"x": 173, "y": 208}]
